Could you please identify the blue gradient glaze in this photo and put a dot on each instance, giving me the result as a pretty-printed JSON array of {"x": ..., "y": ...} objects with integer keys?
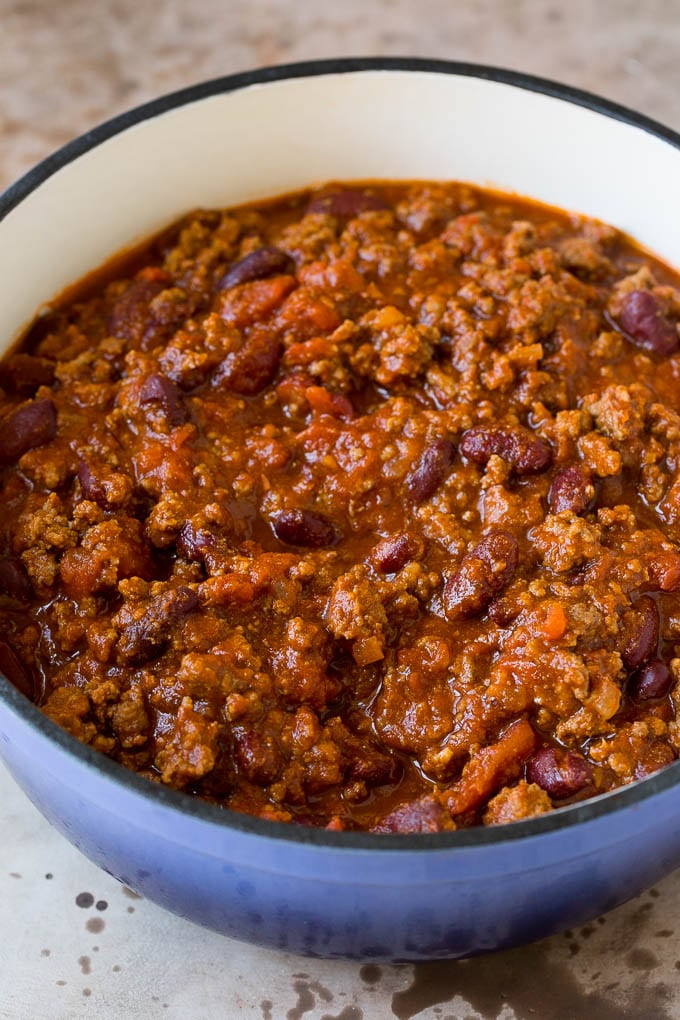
[{"x": 345, "y": 894}]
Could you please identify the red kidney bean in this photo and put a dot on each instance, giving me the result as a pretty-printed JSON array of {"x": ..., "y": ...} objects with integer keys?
[
  {"x": 643, "y": 320},
  {"x": 346, "y": 203},
  {"x": 14, "y": 581},
  {"x": 159, "y": 389},
  {"x": 24, "y": 373},
  {"x": 424, "y": 480},
  {"x": 250, "y": 369},
  {"x": 642, "y": 632},
  {"x": 305, "y": 528},
  {"x": 423, "y": 815},
  {"x": 524, "y": 452},
  {"x": 179, "y": 602},
  {"x": 29, "y": 425},
  {"x": 15, "y": 671},
  {"x": 503, "y": 611},
  {"x": 652, "y": 680},
  {"x": 129, "y": 316},
  {"x": 484, "y": 572},
  {"x": 257, "y": 755},
  {"x": 559, "y": 772},
  {"x": 163, "y": 318},
  {"x": 91, "y": 483},
  {"x": 193, "y": 543},
  {"x": 393, "y": 553},
  {"x": 102, "y": 484},
  {"x": 571, "y": 489},
  {"x": 145, "y": 636},
  {"x": 267, "y": 261}
]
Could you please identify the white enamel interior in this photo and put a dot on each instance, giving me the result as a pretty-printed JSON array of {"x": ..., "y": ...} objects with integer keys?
[{"x": 274, "y": 137}]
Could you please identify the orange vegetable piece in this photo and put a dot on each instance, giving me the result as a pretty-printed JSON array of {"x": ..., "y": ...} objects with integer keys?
[
  {"x": 227, "y": 589},
  {"x": 252, "y": 302},
  {"x": 328, "y": 403},
  {"x": 555, "y": 622},
  {"x": 306, "y": 316},
  {"x": 664, "y": 571},
  {"x": 491, "y": 767}
]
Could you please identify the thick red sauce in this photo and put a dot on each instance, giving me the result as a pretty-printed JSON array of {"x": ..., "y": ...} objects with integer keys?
[{"x": 359, "y": 508}]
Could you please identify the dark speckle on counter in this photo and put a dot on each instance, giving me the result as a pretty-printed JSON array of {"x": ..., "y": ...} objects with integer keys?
[
  {"x": 642, "y": 959},
  {"x": 305, "y": 1001},
  {"x": 307, "y": 992},
  {"x": 370, "y": 974},
  {"x": 95, "y": 925},
  {"x": 491, "y": 982},
  {"x": 84, "y": 900}
]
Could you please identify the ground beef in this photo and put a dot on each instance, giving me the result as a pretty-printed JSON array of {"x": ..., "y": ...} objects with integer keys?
[{"x": 358, "y": 509}]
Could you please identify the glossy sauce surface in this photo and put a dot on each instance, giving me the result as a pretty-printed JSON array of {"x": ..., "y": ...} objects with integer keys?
[{"x": 357, "y": 508}]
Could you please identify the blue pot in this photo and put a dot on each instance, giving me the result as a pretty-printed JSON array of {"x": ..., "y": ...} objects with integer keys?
[
  {"x": 345, "y": 894},
  {"x": 312, "y": 891}
]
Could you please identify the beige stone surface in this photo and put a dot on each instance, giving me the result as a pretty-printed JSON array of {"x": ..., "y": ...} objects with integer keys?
[
  {"x": 111, "y": 957},
  {"x": 65, "y": 66}
]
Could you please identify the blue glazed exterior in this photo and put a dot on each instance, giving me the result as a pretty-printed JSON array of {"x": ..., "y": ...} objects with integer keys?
[
  {"x": 342, "y": 894},
  {"x": 345, "y": 895}
]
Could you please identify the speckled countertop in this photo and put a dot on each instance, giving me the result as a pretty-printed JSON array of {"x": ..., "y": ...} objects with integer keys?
[{"x": 72, "y": 941}]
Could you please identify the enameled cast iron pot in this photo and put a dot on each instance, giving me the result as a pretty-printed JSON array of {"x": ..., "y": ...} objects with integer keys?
[{"x": 261, "y": 134}]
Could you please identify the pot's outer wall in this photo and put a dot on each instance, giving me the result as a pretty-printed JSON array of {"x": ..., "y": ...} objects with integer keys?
[
  {"x": 333, "y": 902},
  {"x": 320, "y": 893}
]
